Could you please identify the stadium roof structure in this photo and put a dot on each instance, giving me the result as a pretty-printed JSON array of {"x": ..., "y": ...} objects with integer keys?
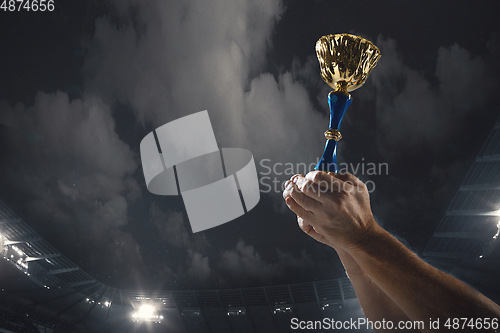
[
  {"x": 42, "y": 290},
  {"x": 466, "y": 242}
]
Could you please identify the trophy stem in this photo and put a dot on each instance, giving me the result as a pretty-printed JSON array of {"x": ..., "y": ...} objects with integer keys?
[{"x": 339, "y": 103}]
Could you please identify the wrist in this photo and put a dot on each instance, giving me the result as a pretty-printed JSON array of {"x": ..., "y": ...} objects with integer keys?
[{"x": 368, "y": 240}]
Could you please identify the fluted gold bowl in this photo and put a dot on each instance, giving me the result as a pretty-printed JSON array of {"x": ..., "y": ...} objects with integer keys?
[{"x": 346, "y": 60}]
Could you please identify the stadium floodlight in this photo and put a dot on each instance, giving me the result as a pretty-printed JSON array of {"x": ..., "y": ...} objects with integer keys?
[{"x": 147, "y": 312}]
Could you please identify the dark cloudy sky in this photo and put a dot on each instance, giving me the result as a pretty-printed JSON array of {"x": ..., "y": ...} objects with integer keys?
[{"x": 81, "y": 86}]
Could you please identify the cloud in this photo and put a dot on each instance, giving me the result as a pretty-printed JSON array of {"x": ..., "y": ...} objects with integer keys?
[
  {"x": 168, "y": 60},
  {"x": 174, "y": 230},
  {"x": 198, "y": 267},
  {"x": 244, "y": 262},
  {"x": 113, "y": 211},
  {"x": 75, "y": 175},
  {"x": 287, "y": 259},
  {"x": 465, "y": 82},
  {"x": 171, "y": 56},
  {"x": 404, "y": 100},
  {"x": 412, "y": 110},
  {"x": 245, "y": 265},
  {"x": 171, "y": 59},
  {"x": 171, "y": 227}
]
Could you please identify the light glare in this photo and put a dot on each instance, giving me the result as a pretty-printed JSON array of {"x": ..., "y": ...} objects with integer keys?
[{"x": 147, "y": 312}]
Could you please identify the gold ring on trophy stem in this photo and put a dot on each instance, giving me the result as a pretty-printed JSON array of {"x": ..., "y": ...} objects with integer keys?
[{"x": 333, "y": 134}]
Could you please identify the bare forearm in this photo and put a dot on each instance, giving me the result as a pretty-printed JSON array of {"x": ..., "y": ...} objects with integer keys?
[
  {"x": 376, "y": 305},
  {"x": 420, "y": 290},
  {"x": 335, "y": 209}
]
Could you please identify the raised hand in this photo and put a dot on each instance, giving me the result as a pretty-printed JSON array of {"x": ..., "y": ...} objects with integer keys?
[{"x": 332, "y": 208}]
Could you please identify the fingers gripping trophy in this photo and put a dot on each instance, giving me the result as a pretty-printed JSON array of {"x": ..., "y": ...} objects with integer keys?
[{"x": 345, "y": 62}]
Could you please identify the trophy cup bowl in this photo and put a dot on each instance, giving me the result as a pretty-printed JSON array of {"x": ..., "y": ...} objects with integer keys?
[{"x": 345, "y": 61}]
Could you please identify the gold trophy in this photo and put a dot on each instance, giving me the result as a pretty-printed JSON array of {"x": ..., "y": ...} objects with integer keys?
[{"x": 345, "y": 61}]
